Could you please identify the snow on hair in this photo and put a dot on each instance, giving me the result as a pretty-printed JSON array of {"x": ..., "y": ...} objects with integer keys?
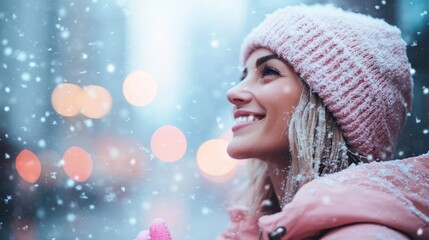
[{"x": 316, "y": 142}]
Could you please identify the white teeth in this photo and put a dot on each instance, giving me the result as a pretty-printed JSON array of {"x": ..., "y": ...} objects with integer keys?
[{"x": 244, "y": 119}]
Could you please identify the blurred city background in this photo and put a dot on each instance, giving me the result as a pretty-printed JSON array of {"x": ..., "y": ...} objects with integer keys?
[{"x": 113, "y": 112}]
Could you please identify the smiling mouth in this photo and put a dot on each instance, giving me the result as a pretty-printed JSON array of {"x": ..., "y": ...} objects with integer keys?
[{"x": 245, "y": 120}]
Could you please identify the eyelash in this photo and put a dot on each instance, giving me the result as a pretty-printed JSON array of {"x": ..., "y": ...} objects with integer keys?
[
  {"x": 269, "y": 71},
  {"x": 266, "y": 71},
  {"x": 242, "y": 77}
]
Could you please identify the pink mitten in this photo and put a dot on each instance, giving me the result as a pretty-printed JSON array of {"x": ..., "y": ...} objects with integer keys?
[{"x": 158, "y": 231}]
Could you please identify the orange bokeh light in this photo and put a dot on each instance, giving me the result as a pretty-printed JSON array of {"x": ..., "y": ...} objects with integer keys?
[
  {"x": 77, "y": 164},
  {"x": 96, "y": 102},
  {"x": 168, "y": 143},
  {"x": 213, "y": 160},
  {"x": 66, "y": 98},
  {"x": 28, "y": 166},
  {"x": 92, "y": 101},
  {"x": 139, "y": 88}
]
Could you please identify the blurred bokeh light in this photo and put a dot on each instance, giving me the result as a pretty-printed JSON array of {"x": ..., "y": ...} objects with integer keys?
[
  {"x": 28, "y": 166},
  {"x": 139, "y": 88},
  {"x": 96, "y": 101},
  {"x": 213, "y": 160},
  {"x": 77, "y": 164},
  {"x": 113, "y": 113},
  {"x": 66, "y": 99},
  {"x": 168, "y": 143}
]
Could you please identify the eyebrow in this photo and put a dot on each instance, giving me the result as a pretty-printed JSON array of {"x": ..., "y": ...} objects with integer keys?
[{"x": 264, "y": 59}]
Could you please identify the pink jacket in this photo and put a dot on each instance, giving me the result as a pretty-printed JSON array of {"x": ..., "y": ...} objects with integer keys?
[{"x": 386, "y": 200}]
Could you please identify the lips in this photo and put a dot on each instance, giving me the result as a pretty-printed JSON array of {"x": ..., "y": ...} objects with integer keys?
[{"x": 245, "y": 118}]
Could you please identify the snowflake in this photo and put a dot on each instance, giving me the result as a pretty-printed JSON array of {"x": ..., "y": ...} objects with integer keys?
[
  {"x": 7, "y": 199},
  {"x": 206, "y": 211}
]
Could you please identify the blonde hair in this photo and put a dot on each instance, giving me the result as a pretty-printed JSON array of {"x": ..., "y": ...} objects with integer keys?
[{"x": 317, "y": 147}]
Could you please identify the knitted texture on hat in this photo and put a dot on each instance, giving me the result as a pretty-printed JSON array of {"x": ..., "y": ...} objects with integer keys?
[{"x": 355, "y": 63}]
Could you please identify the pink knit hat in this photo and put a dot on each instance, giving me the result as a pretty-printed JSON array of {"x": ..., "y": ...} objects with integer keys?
[{"x": 357, "y": 64}]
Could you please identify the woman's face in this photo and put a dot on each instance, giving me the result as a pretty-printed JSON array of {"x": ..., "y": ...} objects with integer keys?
[{"x": 263, "y": 104}]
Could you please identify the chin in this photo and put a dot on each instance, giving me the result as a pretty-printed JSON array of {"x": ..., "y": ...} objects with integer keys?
[
  {"x": 237, "y": 152},
  {"x": 237, "y": 155}
]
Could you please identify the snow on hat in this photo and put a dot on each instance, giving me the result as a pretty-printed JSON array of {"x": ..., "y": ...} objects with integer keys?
[{"x": 355, "y": 63}]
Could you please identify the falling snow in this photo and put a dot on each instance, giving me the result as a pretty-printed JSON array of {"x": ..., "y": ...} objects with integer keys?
[
  {"x": 110, "y": 68},
  {"x": 206, "y": 211},
  {"x": 7, "y": 199},
  {"x": 71, "y": 217},
  {"x": 193, "y": 64}
]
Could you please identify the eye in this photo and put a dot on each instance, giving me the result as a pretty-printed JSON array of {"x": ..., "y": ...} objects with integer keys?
[
  {"x": 243, "y": 75},
  {"x": 269, "y": 71}
]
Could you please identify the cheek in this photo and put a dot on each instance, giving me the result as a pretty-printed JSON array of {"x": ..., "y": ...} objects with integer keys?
[
  {"x": 287, "y": 90},
  {"x": 288, "y": 101},
  {"x": 293, "y": 92}
]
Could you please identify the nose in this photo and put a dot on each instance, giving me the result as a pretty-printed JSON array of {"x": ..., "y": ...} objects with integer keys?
[{"x": 239, "y": 94}]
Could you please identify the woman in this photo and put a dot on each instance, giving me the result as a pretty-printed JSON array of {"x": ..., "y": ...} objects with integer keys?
[{"x": 323, "y": 90}]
